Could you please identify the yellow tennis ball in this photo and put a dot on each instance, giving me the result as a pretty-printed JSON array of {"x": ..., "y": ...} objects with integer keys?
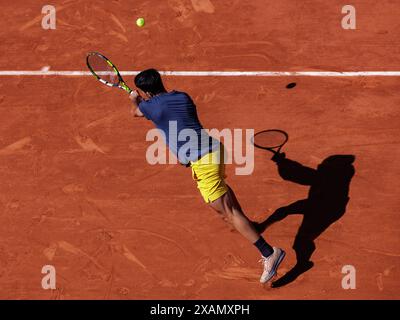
[{"x": 140, "y": 22}]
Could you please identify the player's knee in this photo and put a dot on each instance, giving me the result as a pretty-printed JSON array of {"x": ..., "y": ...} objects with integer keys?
[
  {"x": 227, "y": 216},
  {"x": 230, "y": 216}
]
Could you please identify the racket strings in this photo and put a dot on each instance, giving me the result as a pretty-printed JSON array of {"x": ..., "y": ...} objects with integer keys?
[
  {"x": 103, "y": 69},
  {"x": 270, "y": 139}
]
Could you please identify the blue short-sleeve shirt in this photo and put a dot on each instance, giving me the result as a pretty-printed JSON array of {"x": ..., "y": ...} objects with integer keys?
[{"x": 175, "y": 115}]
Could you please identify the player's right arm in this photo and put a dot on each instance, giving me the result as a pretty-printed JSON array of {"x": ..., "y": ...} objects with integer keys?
[{"x": 136, "y": 99}]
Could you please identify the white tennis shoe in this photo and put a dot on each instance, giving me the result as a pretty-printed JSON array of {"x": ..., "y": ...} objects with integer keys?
[{"x": 271, "y": 264}]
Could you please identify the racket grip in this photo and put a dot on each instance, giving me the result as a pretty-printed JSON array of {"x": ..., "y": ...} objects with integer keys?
[{"x": 125, "y": 87}]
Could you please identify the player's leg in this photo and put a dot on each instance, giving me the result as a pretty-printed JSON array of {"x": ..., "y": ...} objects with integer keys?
[
  {"x": 230, "y": 208},
  {"x": 209, "y": 174}
]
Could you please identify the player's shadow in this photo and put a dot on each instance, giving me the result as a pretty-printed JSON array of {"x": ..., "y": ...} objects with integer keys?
[{"x": 326, "y": 203}]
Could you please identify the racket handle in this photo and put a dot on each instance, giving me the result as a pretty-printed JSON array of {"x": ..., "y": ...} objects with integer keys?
[{"x": 125, "y": 87}]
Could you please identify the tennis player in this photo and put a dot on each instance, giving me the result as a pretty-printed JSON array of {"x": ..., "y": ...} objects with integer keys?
[{"x": 204, "y": 154}]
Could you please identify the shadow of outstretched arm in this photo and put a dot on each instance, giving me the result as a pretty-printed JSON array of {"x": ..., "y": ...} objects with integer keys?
[
  {"x": 293, "y": 171},
  {"x": 297, "y": 207}
]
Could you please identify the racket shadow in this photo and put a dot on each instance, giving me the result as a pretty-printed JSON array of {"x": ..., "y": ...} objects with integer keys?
[{"x": 326, "y": 203}]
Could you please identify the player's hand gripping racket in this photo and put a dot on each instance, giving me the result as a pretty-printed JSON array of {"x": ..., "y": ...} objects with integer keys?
[
  {"x": 272, "y": 140},
  {"x": 105, "y": 71}
]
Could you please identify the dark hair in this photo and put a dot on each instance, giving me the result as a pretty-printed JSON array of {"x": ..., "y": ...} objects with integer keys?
[{"x": 150, "y": 81}]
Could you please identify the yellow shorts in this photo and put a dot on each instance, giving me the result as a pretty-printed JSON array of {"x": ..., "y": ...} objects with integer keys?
[{"x": 209, "y": 173}]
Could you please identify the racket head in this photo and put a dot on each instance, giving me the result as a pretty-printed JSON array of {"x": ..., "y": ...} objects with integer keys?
[
  {"x": 270, "y": 139},
  {"x": 105, "y": 71}
]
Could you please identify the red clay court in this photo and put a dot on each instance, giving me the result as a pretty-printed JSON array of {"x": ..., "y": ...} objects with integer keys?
[{"x": 77, "y": 193}]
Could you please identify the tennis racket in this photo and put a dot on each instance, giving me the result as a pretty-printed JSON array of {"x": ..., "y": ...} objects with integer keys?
[
  {"x": 272, "y": 140},
  {"x": 105, "y": 71}
]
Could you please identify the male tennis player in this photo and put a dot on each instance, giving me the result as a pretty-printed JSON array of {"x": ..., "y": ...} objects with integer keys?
[{"x": 202, "y": 153}]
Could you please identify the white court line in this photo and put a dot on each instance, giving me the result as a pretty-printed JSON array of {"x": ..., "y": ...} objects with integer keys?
[{"x": 216, "y": 73}]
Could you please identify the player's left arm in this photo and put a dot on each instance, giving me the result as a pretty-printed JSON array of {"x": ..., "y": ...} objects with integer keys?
[{"x": 136, "y": 99}]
